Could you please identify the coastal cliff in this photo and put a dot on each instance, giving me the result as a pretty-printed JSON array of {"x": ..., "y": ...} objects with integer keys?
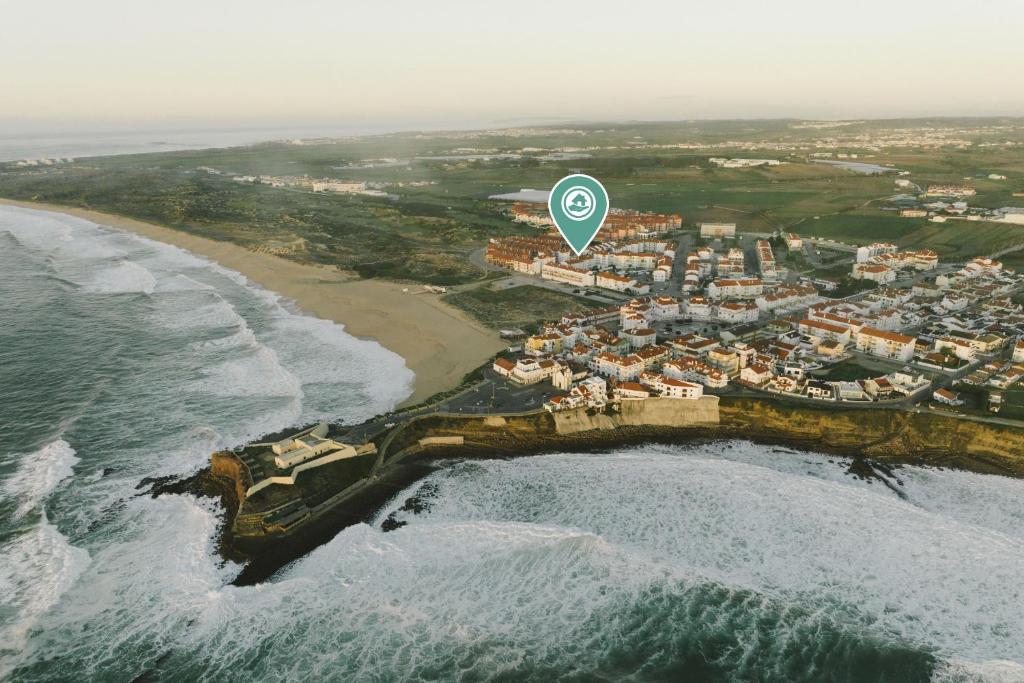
[
  {"x": 893, "y": 435},
  {"x": 273, "y": 535}
]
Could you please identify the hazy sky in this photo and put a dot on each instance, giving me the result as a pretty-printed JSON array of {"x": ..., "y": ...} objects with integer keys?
[{"x": 245, "y": 62}]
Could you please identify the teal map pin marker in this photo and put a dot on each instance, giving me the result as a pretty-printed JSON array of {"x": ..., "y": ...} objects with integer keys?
[{"x": 578, "y": 205}]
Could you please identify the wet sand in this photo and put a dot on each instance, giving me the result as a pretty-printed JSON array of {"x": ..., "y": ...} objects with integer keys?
[{"x": 438, "y": 342}]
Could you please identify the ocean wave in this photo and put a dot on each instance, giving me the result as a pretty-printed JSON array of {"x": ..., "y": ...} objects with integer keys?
[
  {"x": 36, "y": 568},
  {"x": 793, "y": 526},
  {"x": 38, "y": 474},
  {"x": 126, "y": 277}
]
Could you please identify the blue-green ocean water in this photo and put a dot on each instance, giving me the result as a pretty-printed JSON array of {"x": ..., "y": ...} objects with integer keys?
[{"x": 122, "y": 359}]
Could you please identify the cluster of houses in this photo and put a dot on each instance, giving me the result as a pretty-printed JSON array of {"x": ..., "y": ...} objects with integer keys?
[
  {"x": 619, "y": 224},
  {"x": 941, "y": 203},
  {"x": 778, "y": 336},
  {"x": 882, "y": 262},
  {"x": 624, "y": 264},
  {"x": 618, "y": 353}
]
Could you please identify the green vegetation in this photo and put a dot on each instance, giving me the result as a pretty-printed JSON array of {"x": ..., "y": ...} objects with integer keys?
[
  {"x": 848, "y": 371},
  {"x": 437, "y": 211},
  {"x": 518, "y": 306},
  {"x": 976, "y": 401}
]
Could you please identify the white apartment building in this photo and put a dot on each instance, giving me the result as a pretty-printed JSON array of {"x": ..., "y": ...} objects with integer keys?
[
  {"x": 865, "y": 253},
  {"x": 746, "y": 288},
  {"x": 874, "y": 272},
  {"x": 885, "y": 344},
  {"x": 737, "y": 312},
  {"x": 567, "y": 274},
  {"x": 621, "y": 368},
  {"x": 824, "y": 330}
]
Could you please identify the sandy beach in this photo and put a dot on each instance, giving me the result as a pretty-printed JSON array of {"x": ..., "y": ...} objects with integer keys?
[{"x": 438, "y": 342}]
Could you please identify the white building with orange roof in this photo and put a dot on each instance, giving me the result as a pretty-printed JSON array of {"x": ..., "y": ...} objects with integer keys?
[
  {"x": 698, "y": 307},
  {"x": 568, "y": 274},
  {"x": 736, "y": 312},
  {"x": 874, "y": 272},
  {"x": 667, "y": 387},
  {"x": 1018, "y": 352},
  {"x": 825, "y": 330},
  {"x": 621, "y": 368},
  {"x": 885, "y": 344},
  {"x": 693, "y": 370},
  {"x": 618, "y": 283},
  {"x": 756, "y": 374},
  {"x": 640, "y": 336},
  {"x": 533, "y": 370},
  {"x": 631, "y": 391},
  {"x": 743, "y": 288},
  {"x": 503, "y": 366},
  {"x": 866, "y": 252},
  {"x": 664, "y": 308}
]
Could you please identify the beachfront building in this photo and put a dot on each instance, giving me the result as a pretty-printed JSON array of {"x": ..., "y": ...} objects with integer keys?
[
  {"x": 885, "y": 344},
  {"x": 503, "y": 366},
  {"x": 621, "y": 368},
  {"x": 693, "y": 370},
  {"x": 532, "y": 370},
  {"x": 671, "y": 388},
  {"x": 631, "y": 391}
]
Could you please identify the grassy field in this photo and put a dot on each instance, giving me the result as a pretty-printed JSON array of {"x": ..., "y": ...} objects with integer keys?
[
  {"x": 425, "y": 233},
  {"x": 518, "y": 306}
]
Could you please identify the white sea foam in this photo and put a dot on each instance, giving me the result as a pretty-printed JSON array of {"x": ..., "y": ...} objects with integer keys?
[
  {"x": 36, "y": 568},
  {"x": 38, "y": 474},
  {"x": 123, "y": 278},
  {"x": 923, "y": 573}
]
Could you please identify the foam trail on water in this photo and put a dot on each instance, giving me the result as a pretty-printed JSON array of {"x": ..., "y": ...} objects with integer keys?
[
  {"x": 37, "y": 568},
  {"x": 125, "y": 277},
  {"x": 38, "y": 474}
]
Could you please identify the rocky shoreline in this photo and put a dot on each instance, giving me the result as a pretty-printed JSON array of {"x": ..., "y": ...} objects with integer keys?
[{"x": 876, "y": 442}]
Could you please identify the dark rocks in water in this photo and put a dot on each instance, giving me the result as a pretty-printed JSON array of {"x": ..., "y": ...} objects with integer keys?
[
  {"x": 865, "y": 469},
  {"x": 417, "y": 504}
]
